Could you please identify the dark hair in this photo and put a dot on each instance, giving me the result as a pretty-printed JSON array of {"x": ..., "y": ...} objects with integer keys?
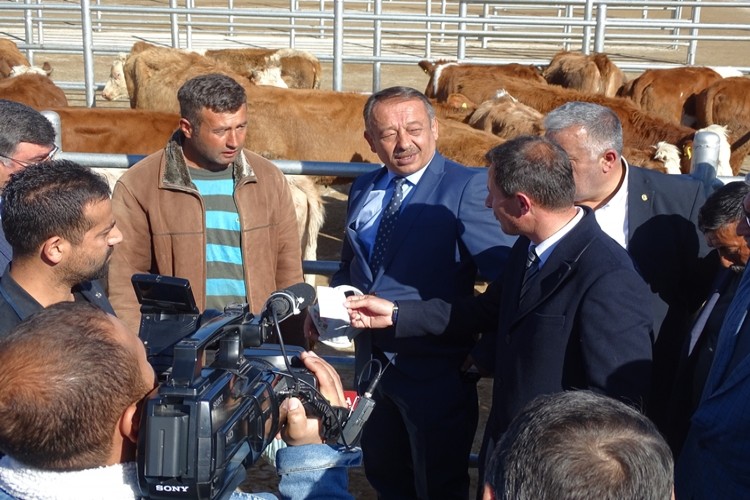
[
  {"x": 65, "y": 382},
  {"x": 536, "y": 167},
  {"x": 602, "y": 125},
  {"x": 48, "y": 199},
  {"x": 399, "y": 94},
  {"x": 578, "y": 445},
  {"x": 214, "y": 91},
  {"x": 20, "y": 123},
  {"x": 723, "y": 206}
]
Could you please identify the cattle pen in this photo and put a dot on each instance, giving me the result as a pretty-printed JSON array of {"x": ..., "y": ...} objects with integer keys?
[{"x": 375, "y": 34}]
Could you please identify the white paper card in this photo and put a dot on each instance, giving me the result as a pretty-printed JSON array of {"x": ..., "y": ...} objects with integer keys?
[{"x": 331, "y": 303}]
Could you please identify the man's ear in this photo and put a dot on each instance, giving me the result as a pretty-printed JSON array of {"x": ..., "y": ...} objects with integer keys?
[
  {"x": 130, "y": 423},
  {"x": 524, "y": 202},
  {"x": 487, "y": 493},
  {"x": 54, "y": 248},
  {"x": 368, "y": 138},
  {"x": 186, "y": 128},
  {"x": 609, "y": 160}
]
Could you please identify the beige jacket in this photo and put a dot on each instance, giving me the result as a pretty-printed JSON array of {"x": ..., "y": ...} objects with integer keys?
[{"x": 162, "y": 219}]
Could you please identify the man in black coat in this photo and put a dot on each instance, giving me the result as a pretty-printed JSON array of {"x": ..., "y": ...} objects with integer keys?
[
  {"x": 650, "y": 214},
  {"x": 566, "y": 314}
]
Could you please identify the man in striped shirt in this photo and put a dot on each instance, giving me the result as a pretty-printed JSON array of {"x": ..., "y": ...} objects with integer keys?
[{"x": 207, "y": 210}]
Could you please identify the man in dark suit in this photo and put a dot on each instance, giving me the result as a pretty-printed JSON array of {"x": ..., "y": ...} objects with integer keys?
[
  {"x": 418, "y": 439},
  {"x": 26, "y": 137},
  {"x": 567, "y": 312},
  {"x": 652, "y": 215},
  {"x": 714, "y": 461},
  {"x": 719, "y": 220}
]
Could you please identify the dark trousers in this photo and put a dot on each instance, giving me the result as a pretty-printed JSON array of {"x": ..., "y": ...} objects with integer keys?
[{"x": 417, "y": 441}]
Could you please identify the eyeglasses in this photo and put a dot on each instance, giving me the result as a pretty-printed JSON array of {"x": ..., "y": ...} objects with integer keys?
[{"x": 48, "y": 157}]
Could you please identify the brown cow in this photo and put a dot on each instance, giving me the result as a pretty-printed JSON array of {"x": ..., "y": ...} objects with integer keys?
[
  {"x": 670, "y": 93},
  {"x": 442, "y": 72},
  {"x": 299, "y": 69},
  {"x": 590, "y": 74},
  {"x": 10, "y": 56},
  {"x": 289, "y": 124},
  {"x": 727, "y": 102},
  {"x": 33, "y": 89},
  {"x": 641, "y": 131}
]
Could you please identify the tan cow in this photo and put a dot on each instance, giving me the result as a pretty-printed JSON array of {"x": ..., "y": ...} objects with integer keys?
[
  {"x": 590, "y": 74},
  {"x": 33, "y": 89},
  {"x": 299, "y": 69},
  {"x": 277, "y": 67},
  {"x": 505, "y": 117},
  {"x": 442, "y": 73},
  {"x": 670, "y": 93},
  {"x": 727, "y": 102}
]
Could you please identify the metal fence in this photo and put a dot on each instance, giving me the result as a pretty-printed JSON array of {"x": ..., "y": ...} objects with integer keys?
[{"x": 638, "y": 34}]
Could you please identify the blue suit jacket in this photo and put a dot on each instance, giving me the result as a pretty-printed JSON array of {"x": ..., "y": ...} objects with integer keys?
[
  {"x": 715, "y": 460},
  {"x": 581, "y": 325},
  {"x": 443, "y": 235}
]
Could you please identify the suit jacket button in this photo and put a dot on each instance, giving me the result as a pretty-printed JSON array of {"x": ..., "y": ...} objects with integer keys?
[{"x": 507, "y": 339}]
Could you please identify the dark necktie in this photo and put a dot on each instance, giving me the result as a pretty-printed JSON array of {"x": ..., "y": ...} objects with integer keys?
[
  {"x": 532, "y": 267},
  {"x": 387, "y": 224}
]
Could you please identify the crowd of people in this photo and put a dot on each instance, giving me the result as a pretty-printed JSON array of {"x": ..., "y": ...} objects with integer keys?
[{"x": 614, "y": 325}]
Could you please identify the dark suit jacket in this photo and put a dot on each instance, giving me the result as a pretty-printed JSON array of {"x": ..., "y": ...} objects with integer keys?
[
  {"x": 715, "y": 462},
  {"x": 665, "y": 244},
  {"x": 582, "y": 325},
  {"x": 16, "y": 304},
  {"x": 442, "y": 237},
  {"x": 6, "y": 252}
]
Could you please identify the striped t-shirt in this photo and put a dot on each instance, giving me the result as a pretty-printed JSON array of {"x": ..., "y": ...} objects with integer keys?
[{"x": 225, "y": 279}]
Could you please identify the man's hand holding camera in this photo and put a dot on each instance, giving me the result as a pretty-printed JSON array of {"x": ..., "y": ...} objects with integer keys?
[{"x": 297, "y": 428}]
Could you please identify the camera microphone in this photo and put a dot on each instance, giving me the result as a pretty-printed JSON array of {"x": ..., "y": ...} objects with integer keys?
[{"x": 289, "y": 301}]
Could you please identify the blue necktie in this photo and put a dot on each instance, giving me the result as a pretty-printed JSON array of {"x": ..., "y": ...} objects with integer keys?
[
  {"x": 532, "y": 267},
  {"x": 387, "y": 224}
]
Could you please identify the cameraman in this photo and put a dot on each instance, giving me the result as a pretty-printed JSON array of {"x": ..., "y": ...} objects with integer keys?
[{"x": 71, "y": 391}]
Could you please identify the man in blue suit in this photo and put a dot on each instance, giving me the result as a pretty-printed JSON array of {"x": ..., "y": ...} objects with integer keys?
[
  {"x": 652, "y": 215},
  {"x": 416, "y": 229},
  {"x": 715, "y": 459},
  {"x": 26, "y": 137},
  {"x": 567, "y": 312}
]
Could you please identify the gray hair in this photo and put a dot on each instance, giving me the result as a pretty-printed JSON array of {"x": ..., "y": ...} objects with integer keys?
[{"x": 602, "y": 125}]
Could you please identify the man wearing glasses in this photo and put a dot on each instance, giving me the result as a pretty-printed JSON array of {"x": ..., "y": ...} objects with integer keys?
[{"x": 26, "y": 137}]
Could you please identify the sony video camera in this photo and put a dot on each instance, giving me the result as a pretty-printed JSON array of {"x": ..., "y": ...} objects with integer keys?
[{"x": 217, "y": 407}]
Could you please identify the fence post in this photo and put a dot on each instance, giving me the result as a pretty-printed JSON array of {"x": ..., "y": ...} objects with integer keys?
[
  {"x": 174, "y": 24},
  {"x": 588, "y": 11},
  {"x": 601, "y": 27},
  {"x": 377, "y": 41},
  {"x": 88, "y": 52},
  {"x": 705, "y": 161},
  {"x": 338, "y": 44},
  {"x": 693, "y": 45}
]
